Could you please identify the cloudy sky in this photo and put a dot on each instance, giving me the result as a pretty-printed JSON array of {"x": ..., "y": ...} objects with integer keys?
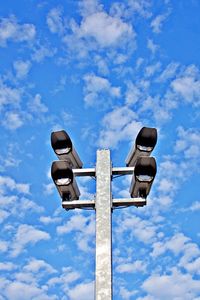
[{"x": 101, "y": 70}]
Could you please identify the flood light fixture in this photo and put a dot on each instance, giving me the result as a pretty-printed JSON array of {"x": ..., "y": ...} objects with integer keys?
[
  {"x": 64, "y": 180},
  {"x": 144, "y": 145},
  {"x": 64, "y": 148},
  {"x": 143, "y": 177}
]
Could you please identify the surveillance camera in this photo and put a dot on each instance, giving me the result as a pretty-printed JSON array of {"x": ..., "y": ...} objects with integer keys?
[
  {"x": 144, "y": 174},
  {"x": 64, "y": 180},
  {"x": 144, "y": 145},
  {"x": 64, "y": 149}
]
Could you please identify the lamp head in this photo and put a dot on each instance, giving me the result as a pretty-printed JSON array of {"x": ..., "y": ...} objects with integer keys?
[
  {"x": 61, "y": 142},
  {"x": 145, "y": 169},
  {"x": 64, "y": 180},
  {"x": 64, "y": 149},
  {"x": 144, "y": 145},
  {"x": 61, "y": 173},
  {"x": 146, "y": 139},
  {"x": 144, "y": 174}
]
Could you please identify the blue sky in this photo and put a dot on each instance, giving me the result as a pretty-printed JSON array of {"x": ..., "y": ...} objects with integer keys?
[{"x": 101, "y": 70}]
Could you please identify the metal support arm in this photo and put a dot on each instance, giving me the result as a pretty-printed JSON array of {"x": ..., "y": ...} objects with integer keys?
[
  {"x": 92, "y": 171},
  {"x": 115, "y": 203}
]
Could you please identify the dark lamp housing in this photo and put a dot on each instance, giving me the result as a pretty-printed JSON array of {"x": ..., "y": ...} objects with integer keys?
[
  {"x": 61, "y": 173},
  {"x": 144, "y": 174},
  {"x": 63, "y": 177},
  {"x": 146, "y": 139},
  {"x": 144, "y": 145},
  {"x": 64, "y": 149},
  {"x": 145, "y": 167},
  {"x": 61, "y": 142}
]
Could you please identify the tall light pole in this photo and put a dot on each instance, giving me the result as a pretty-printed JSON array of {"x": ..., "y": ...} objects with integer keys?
[
  {"x": 103, "y": 205},
  {"x": 139, "y": 164}
]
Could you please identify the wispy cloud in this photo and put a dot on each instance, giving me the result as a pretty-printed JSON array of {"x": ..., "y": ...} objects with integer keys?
[
  {"x": 11, "y": 30},
  {"x": 26, "y": 235}
]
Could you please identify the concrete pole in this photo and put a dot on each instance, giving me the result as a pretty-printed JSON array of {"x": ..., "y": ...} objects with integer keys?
[{"x": 103, "y": 284}]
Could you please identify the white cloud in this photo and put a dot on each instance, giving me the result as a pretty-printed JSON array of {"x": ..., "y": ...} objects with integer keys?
[
  {"x": 22, "y": 68},
  {"x": 40, "y": 52},
  {"x": 76, "y": 222},
  {"x": 26, "y": 235},
  {"x": 10, "y": 29},
  {"x": 17, "y": 206},
  {"x": 191, "y": 254},
  {"x": 188, "y": 142},
  {"x": 55, "y": 21},
  {"x": 67, "y": 277},
  {"x": 182, "y": 86},
  {"x": 187, "y": 85},
  {"x": 7, "y": 266},
  {"x": 169, "y": 72},
  {"x": 83, "y": 184},
  {"x": 68, "y": 118},
  {"x": 136, "y": 7},
  {"x": 137, "y": 266},
  {"x": 26, "y": 284},
  {"x": 12, "y": 121},
  {"x": 96, "y": 30},
  {"x": 119, "y": 124},
  {"x": 83, "y": 291},
  {"x": 119, "y": 118},
  {"x": 49, "y": 220},
  {"x": 176, "y": 244},
  {"x": 95, "y": 86},
  {"x": 3, "y": 215},
  {"x": 157, "y": 22},
  {"x": 102, "y": 65},
  {"x": 26, "y": 277},
  {"x": 169, "y": 166},
  {"x": 144, "y": 230},
  {"x": 16, "y": 290},
  {"x": 179, "y": 286},
  {"x": 187, "y": 145},
  {"x": 61, "y": 85},
  {"x": 188, "y": 88},
  {"x": 37, "y": 106},
  {"x": 11, "y": 184},
  {"x": 193, "y": 267},
  {"x": 89, "y": 7},
  {"x": 49, "y": 188},
  {"x": 133, "y": 93},
  {"x": 3, "y": 246},
  {"x": 105, "y": 30},
  {"x": 152, "y": 69},
  {"x": 152, "y": 46},
  {"x": 182, "y": 247},
  {"x": 139, "y": 63},
  {"x": 9, "y": 95},
  {"x": 126, "y": 294},
  {"x": 121, "y": 59},
  {"x": 24, "y": 206},
  {"x": 38, "y": 265},
  {"x": 195, "y": 206},
  {"x": 10, "y": 160},
  {"x": 85, "y": 230},
  {"x": 142, "y": 7},
  {"x": 166, "y": 186}
]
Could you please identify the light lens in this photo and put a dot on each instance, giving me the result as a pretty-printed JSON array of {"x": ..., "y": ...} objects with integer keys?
[
  {"x": 144, "y": 178},
  {"x": 63, "y": 181},
  {"x": 62, "y": 151},
  {"x": 144, "y": 148}
]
